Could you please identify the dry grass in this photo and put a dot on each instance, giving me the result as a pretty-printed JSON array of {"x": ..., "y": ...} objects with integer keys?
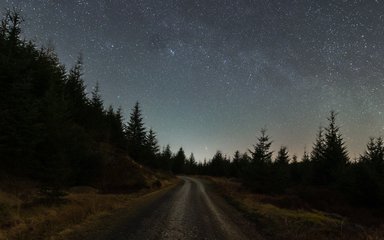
[
  {"x": 28, "y": 219},
  {"x": 277, "y": 222}
]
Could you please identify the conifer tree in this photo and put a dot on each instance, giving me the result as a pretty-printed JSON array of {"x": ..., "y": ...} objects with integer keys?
[
  {"x": 179, "y": 162},
  {"x": 261, "y": 151},
  {"x": 245, "y": 159},
  {"x": 152, "y": 149},
  {"x": 96, "y": 100},
  {"x": 368, "y": 175},
  {"x": 330, "y": 153},
  {"x": 296, "y": 170},
  {"x": 282, "y": 156},
  {"x": 280, "y": 170},
  {"x": 75, "y": 95},
  {"x": 236, "y": 157},
  {"x": 236, "y": 164},
  {"x": 258, "y": 175},
  {"x": 191, "y": 164},
  {"x": 219, "y": 165},
  {"x": 317, "y": 153},
  {"x": 166, "y": 158},
  {"x": 374, "y": 154},
  {"x": 152, "y": 143},
  {"x": 136, "y": 134}
]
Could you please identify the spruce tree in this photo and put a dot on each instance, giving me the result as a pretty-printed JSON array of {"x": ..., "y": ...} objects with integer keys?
[
  {"x": 261, "y": 150},
  {"x": 191, "y": 164},
  {"x": 374, "y": 154},
  {"x": 317, "y": 153},
  {"x": 282, "y": 156},
  {"x": 217, "y": 164},
  {"x": 96, "y": 120},
  {"x": 96, "y": 101},
  {"x": 166, "y": 158},
  {"x": 335, "y": 152},
  {"x": 236, "y": 164},
  {"x": 136, "y": 134},
  {"x": 75, "y": 95},
  {"x": 331, "y": 157},
  {"x": 152, "y": 143},
  {"x": 280, "y": 171},
  {"x": 152, "y": 149},
  {"x": 296, "y": 170},
  {"x": 368, "y": 187},
  {"x": 258, "y": 175},
  {"x": 179, "y": 162}
]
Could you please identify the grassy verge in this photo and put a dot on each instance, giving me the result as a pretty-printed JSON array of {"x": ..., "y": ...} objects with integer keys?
[
  {"x": 23, "y": 216},
  {"x": 277, "y": 222}
]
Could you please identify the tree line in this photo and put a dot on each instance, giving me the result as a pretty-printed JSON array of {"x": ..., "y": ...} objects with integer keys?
[
  {"x": 327, "y": 166},
  {"x": 52, "y": 131}
]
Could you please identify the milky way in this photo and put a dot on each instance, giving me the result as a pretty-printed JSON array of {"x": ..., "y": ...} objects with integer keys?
[{"x": 210, "y": 74}]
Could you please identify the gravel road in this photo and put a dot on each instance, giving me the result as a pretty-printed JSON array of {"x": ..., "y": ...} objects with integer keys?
[{"x": 187, "y": 211}]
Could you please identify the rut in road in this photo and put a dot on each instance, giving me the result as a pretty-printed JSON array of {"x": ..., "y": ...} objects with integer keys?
[
  {"x": 194, "y": 216},
  {"x": 187, "y": 211}
]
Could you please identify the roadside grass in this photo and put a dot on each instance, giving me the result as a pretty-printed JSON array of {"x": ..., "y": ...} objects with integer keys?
[
  {"x": 293, "y": 221},
  {"x": 28, "y": 218}
]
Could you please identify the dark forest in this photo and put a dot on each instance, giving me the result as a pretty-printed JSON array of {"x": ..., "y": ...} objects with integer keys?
[{"x": 56, "y": 135}]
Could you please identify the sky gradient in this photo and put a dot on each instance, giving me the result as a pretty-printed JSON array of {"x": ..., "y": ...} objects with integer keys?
[{"x": 210, "y": 74}]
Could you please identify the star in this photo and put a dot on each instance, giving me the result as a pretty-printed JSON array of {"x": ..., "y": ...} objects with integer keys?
[{"x": 218, "y": 71}]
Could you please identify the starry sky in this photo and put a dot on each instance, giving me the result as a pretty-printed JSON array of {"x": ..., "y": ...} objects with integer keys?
[{"x": 209, "y": 74}]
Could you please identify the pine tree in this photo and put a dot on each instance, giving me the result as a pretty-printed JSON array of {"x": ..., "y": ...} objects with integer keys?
[
  {"x": 282, "y": 156},
  {"x": 152, "y": 149},
  {"x": 119, "y": 128},
  {"x": 280, "y": 171},
  {"x": 75, "y": 95},
  {"x": 96, "y": 101},
  {"x": 136, "y": 134},
  {"x": 236, "y": 157},
  {"x": 115, "y": 131},
  {"x": 97, "y": 116},
  {"x": 152, "y": 143},
  {"x": 374, "y": 154},
  {"x": 296, "y": 169},
  {"x": 261, "y": 152},
  {"x": 191, "y": 164},
  {"x": 219, "y": 165},
  {"x": 317, "y": 153},
  {"x": 335, "y": 152},
  {"x": 236, "y": 164},
  {"x": 331, "y": 157},
  {"x": 259, "y": 174},
  {"x": 166, "y": 158},
  {"x": 179, "y": 162},
  {"x": 368, "y": 187}
]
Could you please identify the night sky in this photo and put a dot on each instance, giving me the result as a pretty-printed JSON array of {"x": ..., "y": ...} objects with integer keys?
[{"x": 210, "y": 74}]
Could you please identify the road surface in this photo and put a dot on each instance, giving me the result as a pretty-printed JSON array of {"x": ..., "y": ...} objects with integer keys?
[{"x": 187, "y": 211}]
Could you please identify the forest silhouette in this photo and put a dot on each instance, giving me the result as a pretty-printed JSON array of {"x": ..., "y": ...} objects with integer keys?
[{"x": 54, "y": 133}]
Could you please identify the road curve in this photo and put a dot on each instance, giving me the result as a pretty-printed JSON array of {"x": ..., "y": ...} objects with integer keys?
[{"x": 188, "y": 211}]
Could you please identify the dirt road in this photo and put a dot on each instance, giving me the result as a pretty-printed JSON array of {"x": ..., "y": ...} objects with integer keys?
[{"x": 187, "y": 211}]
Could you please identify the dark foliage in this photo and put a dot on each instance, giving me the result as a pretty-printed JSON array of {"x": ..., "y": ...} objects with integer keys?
[
  {"x": 179, "y": 162},
  {"x": 326, "y": 168},
  {"x": 136, "y": 134},
  {"x": 51, "y": 131}
]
